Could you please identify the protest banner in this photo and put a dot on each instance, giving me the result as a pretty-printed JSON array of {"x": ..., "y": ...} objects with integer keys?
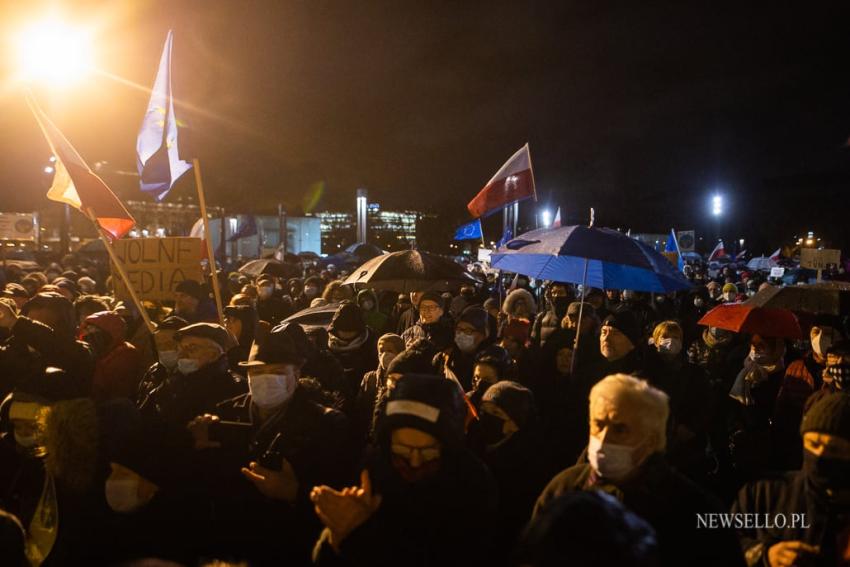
[
  {"x": 155, "y": 266},
  {"x": 814, "y": 259},
  {"x": 17, "y": 226}
]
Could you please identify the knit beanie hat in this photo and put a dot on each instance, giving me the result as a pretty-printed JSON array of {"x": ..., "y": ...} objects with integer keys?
[
  {"x": 477, "y": 317},
  {"x": 434, "y": 296},
  {"x": 514, "y": 399},
  {"x": 730, "y": 287},
  {"x": 428, "y": 403},
  {"x": 830, "y": 414},
  {"x": 348, "y": 317},
  {"x": 624, "y": 321}
]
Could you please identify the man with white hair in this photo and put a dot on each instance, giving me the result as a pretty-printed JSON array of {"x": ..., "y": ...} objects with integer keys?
[{"x": 625, "y": 458}]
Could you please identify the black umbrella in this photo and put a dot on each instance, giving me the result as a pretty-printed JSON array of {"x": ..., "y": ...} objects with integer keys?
[
  {"x": 270, "y": 266},
  {"x": 364, "y": 251},
  {"x": 411, "y": 270},
  {"x": 827, "y": 298},
  {"x": 314, "y": 316}
]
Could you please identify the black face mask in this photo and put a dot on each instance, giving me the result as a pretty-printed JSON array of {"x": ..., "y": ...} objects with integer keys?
[
  {"x": 840, "y": 374},
  {"x": 826, "y": 472},
  {"x": 561, "y": 304},
  {"x": 491, "y": 428}
]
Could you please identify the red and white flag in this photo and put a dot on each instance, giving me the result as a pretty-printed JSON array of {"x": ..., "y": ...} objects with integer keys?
[
  {"x": 513, "y": 182},
  {"x": 75, "y": 184},
  {"x": 718, "y": 252},
  {"x": 557, "y": 222},
  {"x": 777, "y": 254}
]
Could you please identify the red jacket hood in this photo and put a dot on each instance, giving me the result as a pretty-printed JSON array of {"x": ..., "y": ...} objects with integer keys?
[{"x": 109, "y": 322}]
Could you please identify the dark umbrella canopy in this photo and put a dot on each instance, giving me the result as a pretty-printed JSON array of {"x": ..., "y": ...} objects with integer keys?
[
  {"x": 411, "y": 270},
  {"x": 270, "y": 266},
  {"x": 611, "y": 259},
  {"x": 827, "y": 298},
  {"x": 364, "y": 251},
  {"x": 314, "y": 316}
]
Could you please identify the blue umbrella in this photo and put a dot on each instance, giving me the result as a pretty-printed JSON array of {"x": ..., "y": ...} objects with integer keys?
[{"x": 595, "y": 257}]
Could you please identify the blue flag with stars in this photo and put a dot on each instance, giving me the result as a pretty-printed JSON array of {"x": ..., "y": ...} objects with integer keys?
[
  {"x": 469, "y": 231},
  {"x": 158, "y": 160}
]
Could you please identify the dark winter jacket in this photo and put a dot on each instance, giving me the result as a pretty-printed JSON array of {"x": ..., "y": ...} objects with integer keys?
[
  {"x": 273, "y": 310},
  {"x": 355, "y": 360},
  {"x": 669, "y": 502},
  {"x": 118, "y": 368}
]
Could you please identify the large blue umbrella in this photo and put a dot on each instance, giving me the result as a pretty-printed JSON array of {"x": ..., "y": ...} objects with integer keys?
[{"x": 595, "y": 257}]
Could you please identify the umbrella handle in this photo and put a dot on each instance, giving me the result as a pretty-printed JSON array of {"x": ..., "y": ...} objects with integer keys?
[{"x": 580, "y": 313}]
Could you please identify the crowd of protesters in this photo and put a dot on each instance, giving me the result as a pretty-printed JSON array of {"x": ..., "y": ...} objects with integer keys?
[{"x": 508, "y": 423}]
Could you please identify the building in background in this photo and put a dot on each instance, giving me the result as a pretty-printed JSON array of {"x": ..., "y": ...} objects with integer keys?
[{"x": 391, "y": 230}]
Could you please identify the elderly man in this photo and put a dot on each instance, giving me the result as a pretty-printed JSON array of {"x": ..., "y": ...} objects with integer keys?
[
  {"x": 202, "y": 379},
  {"x": 628, "y": 421},
  {"x": 192, "y": 303},
  {"x": 811, "y": 504}
]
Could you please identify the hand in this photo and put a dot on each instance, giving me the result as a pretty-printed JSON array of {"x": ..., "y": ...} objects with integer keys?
[
  {"x": 786, "y": 553},
  {"x": 8, "y": 318},
  {"x": 280, "y": 485},
  {"x": 200, "y": 430},
  {"x": 343, "y": 512}
]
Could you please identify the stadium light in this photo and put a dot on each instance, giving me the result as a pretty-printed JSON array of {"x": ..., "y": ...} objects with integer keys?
[
  {"x": 546, "y": 218},
  {"x": 53, "y": 51},
  {"x": 717, "y": 205}
]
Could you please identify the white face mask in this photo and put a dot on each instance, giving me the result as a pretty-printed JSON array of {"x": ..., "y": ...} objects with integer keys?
[
  {"x": 761, "y": 358},
  {"x": 265, "y": 292},
  {"x": 821, "y": 344},
  {"x": 698, "y": 302},
  {"x": 670, "y": 346},
  {"x": 26, "y": 441},
  {"x": 628, "y": 295},
  {"x": 168, "y": 358},
  {"x": 311, "y": 291},
  {"x": 123, "y": 495},
  {"x": 187, "y": 365},
  {"x": 385, "y": 358},
  {"x": 367, "y": 305},
  {"x": 730, "y": 296},
  {"x": 466, "y": 343},
  {"x": 271, "y": 390},
  {"x": 610, "y": 460}
]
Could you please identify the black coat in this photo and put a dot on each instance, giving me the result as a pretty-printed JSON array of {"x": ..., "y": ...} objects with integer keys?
[
  {"x": 357, "y": 362},
  {"x": 444, "y": 520},
  {"x": 670, "y": 503},
  {"x": 274, "y": 310},
  {"x": 818, "y": 522},
  {"x": 182, "y": 398}
]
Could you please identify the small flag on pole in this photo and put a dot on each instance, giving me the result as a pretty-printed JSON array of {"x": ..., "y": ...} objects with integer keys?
[
  {"x": 672, "y": 247},
  {"x": 159, "y": 161},
  {"x": 557, "y": 222},
  {"x": 246, "y": 228},
  {"x": 513, "y": 182},
  {"x": 75, "y": 184},
  {"x": 718, "y": 252},
  {"x": 469, "y": 231},
  {"x": 507, "y": 236}
]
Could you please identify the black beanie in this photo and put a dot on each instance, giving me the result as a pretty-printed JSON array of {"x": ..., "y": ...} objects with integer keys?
[
  {"x": 434, "y": 296},
  {"x": 477, "y": 317},
  {"x": 414, "y": 360},
  {"x": 192, "y": 288},
  {"x": 348, "y": 317},
  {"x": 830, "y": 414},
  {"x": 428, "y": 403},
  {"x": 625, "y": 321},
  {"x": 514, "y": 399}
]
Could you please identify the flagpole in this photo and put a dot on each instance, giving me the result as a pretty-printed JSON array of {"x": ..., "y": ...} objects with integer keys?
[
  {"x": 208, "y": 237},
  {"x": 580, "y": 314},
  {"x": 122, "y": 273}
]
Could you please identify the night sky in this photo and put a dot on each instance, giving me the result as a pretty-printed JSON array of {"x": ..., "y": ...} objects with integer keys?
[{"x": 638, "y": 109}]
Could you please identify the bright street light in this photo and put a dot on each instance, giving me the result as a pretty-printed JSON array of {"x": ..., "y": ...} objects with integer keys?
[
  {"x": 546, "y": 218},
  {"x": 717, "y": 205},
  {"x": 53, "y": 51}
]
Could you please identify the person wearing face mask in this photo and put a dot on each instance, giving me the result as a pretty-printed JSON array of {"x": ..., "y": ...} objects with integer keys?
[
  {"x": 241, "y": 321},
  {"x": 294, "y": 438},
  {"x": 803, "y": 377},
  {"x": 118, "y": 365},
  {"x": 558, "y": 297},
  {"x": 836, "y": 373},
  {"x": 492, "y": 364},
  {"x": 513, "y": 451},
  {"x": 471, "y": 336},
  {"x": 520, "y": 304},
  {"x": 166, "y": 364},
  {"x": 353, "y": 344},
  {"x": 374, "y": 383},
  {"x": 628, "y": 422},
  {"x": 375, "y": 319},
  {"x": 819, "y": 493},
  {"x": 729, "y": 293},
  {"x": 422, "y": 494},
  {"x": 203, "y": 377},
  {"x": 270, "y": 307},
  {"x": 668, "y": 369}
]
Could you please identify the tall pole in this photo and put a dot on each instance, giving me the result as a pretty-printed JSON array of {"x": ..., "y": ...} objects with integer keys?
[
  {"x": 281, "y": 228},
  {"x": 65, "y": 230},
  {"x": 222, "y": 233},
  {"x": 202, "y": 201},
  {"x": 362, "y": 205}
]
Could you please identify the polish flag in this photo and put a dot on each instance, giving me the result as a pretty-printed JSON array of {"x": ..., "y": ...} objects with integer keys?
[
  {"x": 513, "y": 182},
  {"x": 75, "y": 184},
  {"x": 777, "y": 254},
  {"x": 557, "y": 222},
  {"x": 718, "y": 252}
]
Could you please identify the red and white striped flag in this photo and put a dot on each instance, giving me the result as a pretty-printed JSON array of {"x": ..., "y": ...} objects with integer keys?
[
  {"x": 513, "y": 182},
  {"x": 776, "y": 255},
  {"x": 75, "y": 184},
  {"x": 557, "y": 222},
  {"x": 718, "y": 252}
]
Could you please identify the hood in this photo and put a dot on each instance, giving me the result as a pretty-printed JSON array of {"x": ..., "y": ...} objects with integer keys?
[
  {"x": 367, "y": 294},
  {"x": 514, "y": 296},
  {"x": 110, "y": 323}
]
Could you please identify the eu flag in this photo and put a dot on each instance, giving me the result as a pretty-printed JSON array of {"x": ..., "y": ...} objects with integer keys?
[
  {"x": 469, "y": 231},
  {"x": 158, "y": 160}
]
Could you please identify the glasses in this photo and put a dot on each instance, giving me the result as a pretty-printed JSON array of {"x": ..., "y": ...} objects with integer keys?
[{"x": 429, "y": 453}]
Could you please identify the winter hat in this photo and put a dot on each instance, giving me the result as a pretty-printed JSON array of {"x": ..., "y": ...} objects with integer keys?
[
  {"x": 15, "y": 290},
  {"x": 348, "y": 317},
  {"x": 826, "y": 320},
  {"x": 497, "y": 357},
  {"x": 491, "y": 303},
  {"x": 265, "y": 278},
  {"x": 624, "y": 321},
  {"x": 428, "y": 403},
  {"x": 394, "y": 341},
  {"x": 514, "y": 399},
  {"x": 278, "y": 347},
  {"x": 575, "y": 306},
  {"x": 172, "y": 323},
  {"x": 414, "y": 360},
  {"x": 830, "y": 414},
  {"x": 211, "y": 331},
  {"x": 432, "y": 296},
  {"x": 477, "y": 317},
  {"x": 299, "y": 338},
  {"x": 190, "y": 287},
  {"x": 730, "y": 287}
]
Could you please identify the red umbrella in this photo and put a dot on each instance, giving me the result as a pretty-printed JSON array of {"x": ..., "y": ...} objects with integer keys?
[{"x": 744, "y": 318}]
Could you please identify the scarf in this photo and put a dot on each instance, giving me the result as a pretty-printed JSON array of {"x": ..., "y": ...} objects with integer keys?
[
  {"x": 751, "y": 376},
  {"x": 712, "y": 342},
  {"x": 336, "y": 344}
]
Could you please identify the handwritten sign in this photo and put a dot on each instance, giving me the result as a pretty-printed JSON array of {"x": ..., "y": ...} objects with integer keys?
[
  {"x": 777, "y": 272},
  {"x": 155, "y": 266},
  {"x": 814, "y": 259}
]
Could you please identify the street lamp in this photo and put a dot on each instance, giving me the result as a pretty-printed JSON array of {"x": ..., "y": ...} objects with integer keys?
[
  {"x": 546, "y": 218},
  {"x": 717, "y": 205},
  {"x": 53, "y": 51}
]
